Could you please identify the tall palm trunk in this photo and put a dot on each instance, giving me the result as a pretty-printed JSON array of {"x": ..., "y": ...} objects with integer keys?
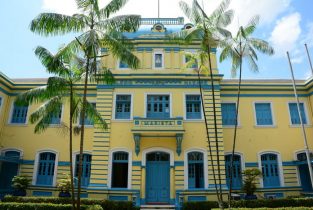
[
  {"x": 215, "y": 130},
  {"x": 71, "y": 149},
  {"x": 82, "y": 132},
  {"x": 207, "y": 133},
  {"x": 235, "y": 135}
]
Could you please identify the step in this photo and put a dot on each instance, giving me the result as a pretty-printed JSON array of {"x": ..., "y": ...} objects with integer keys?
[{"x": 157, "y": 207}]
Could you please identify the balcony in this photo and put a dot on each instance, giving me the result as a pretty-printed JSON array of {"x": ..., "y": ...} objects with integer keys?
[{"x": 167, "y": 127}]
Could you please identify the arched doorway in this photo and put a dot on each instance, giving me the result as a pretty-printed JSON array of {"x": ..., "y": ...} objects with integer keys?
[
  {"x": 304, "y": 172},
  {"x": 9, "y": 169},
  {"x": 158, "y": 177}
]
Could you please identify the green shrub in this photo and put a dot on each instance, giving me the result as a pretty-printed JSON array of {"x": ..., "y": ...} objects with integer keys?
[
  {"x": 37, "y": 206},
  {"x": 284, "y": 208},
  {"x": 20, "y": 182}
]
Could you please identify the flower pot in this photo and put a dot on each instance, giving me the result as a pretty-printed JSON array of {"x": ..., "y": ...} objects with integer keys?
[
  {"x": 64, "y": 194},
  {"x": 19, "y": 192},
  {"x": 250, "y": 197}
]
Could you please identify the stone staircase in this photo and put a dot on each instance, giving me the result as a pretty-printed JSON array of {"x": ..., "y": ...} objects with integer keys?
[{"x": 157, "y": 207}]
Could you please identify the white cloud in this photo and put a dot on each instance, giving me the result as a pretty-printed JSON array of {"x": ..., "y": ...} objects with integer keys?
[{"x": 286, "y": 34}]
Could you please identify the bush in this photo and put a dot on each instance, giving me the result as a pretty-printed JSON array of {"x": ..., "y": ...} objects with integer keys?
[
  {"x": 37, "y": 206},
  {"x": 284, "y": 208},
  {"x": 276, "y": 203},
  {"x": 105, "y": 204}
]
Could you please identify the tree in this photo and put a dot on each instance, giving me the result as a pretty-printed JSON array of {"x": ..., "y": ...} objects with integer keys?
[
  {"x": 98, "y": 30},
  {"x": 208, "y": 30},
  {"x": 61, "y": 88},
  {"x": 242, "y": 46}
]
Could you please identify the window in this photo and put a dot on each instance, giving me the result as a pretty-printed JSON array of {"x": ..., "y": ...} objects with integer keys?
[
  {"x": 120, "y": 170},
  {"x": 0, "y": 101},
  {"x": 19, "y": 114},
  {"x": 263, "y": 114},
  {"x": 270, "y": 170},
  {"x": 193, "y": 107},
  {"x": 235, "y": 172},
  {"x": 122, "y": 106},
  {"x": 88, "y": 120},
  {"x": 86, "y": 167},
  {"x": 229, "y": 113},
  {"x": 294, "y": 115},
  {"x": 158, "y": 60},
  {"x": 195, "y": 170},
  {"x": 194, "y": 64},
  {"x": 45, "y": 171},
  {"x": 123, "y": 65},
  {"x": 55, "y": 117},
  {"x": 158, "y": 106}
]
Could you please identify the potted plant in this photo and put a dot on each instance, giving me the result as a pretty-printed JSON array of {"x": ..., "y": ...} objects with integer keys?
[
  {"x": 20, "y": 184},
  {"x": 249, "y": 186},
  {"x": 64, "y": 186}
]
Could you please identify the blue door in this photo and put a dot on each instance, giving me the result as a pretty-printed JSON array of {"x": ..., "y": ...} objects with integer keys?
[
  {"x": 86, "y": 167},
  {"x": 45, "y": 171},
  {"x": 158, "y": 178},
  {"x": 236, "y": 171},
  {"x": 9, "y": 169},
  {"x": 270, "y": 170},
  {"x": 304, "y": 173},
  {"x": 158, "y": 106}
]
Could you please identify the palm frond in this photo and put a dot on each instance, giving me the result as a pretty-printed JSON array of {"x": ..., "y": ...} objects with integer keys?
[
  {"x": 186, "y": 10},
  {"x": 262, "y": 46},
  {"x": 36, "y": 95},
  {"x": 221, "y": 8},
  {"x": 252, "y": 63},
  {"x": 95, "y": 116},
  {"x": 112, "y": 7},
  {"x": 122, "y": 23}
]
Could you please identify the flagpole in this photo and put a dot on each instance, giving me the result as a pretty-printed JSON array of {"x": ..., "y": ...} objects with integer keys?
[
  {"x": 158, "y": 8},
  {"x": 307, "y": 52},
  {"x": 306, "y": 147}
]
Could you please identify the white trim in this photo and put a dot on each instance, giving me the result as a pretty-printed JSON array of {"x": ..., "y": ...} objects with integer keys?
[
  {"x": 157, "y": 149},
  {"x": 118, "y": 65},
  {"x": 205, "y": 166},
  {"x": 242, "y": 159},
  {"x": 297, "y": 168},
  {"x": 238, "y": 117},
  {"x": 153, "y": 58},
  {"x": 280, "y": 166},
  {"x": 272, "y": 113},
  {"x": 7, "y": 149},
  {"x": 55, "y": 165},
  {"x": 305, "y": 113},
  {"x": 185, "y": 108},
  {"x": 158, "y": 93},
  {"x": 131, "y": 105},
  {"x": 11, "y": 112},
  {"x": 130, "y": 164}
]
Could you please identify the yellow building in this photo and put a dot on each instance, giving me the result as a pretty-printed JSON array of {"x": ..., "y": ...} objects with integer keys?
[{"x": 155, "y": 149}]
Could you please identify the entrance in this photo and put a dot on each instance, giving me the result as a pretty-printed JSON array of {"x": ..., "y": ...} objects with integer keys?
[
  {"x": 158, "y": 178},
  {"x": 304, "y": 173}
]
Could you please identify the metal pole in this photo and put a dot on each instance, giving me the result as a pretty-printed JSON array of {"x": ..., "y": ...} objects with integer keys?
[
  {"x": 307, "y": 52},
  {"x": 306, "y": 147},
  {"x": 158, "y": 8}
]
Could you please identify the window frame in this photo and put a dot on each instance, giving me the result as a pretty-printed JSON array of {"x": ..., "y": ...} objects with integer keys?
[
  {"x": 308, "y": 123},
  {"x": 11, "y": 117},
  {"x": 158, "y": 93},
  {"x": 238, "y": 117},
  {"x": 185, "y": 107},
  {"x": 131, "y": 106},
  {"x": 36, "y": 164},
  {"x": 280, "y": 167},
  {"x": 272, "y": 114},
  {"x": 110, "y": 169},
  {"x": 153, "y": 59}
]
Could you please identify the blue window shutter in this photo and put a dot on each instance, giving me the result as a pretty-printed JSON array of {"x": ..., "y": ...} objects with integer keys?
[
  {"x": 86, "y": 169},
  {"x": 293, "y": 110},
  {"x": 270, "y": 170},
  {"x": 45, "y": 171},
  {"x": 193, "y": 107},
  {"x": 19, "y": 114},
  {"x": 263, "y": 114},
  {"x": 55, "y": 117},
  {"x": 228, "y": 113},
  {"x": 122, "y": 106},
  {"x": 236, "y": 172},
  {"x": 195, "y": 170},
  {"x": 158, "y": 106}
]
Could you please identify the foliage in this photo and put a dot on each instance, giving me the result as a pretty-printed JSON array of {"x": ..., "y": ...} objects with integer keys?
[
  {"x": 37, "y": 206},
  {"x": 249, "y": 178},
  {"x": 20, "y": 182},
  {"x": 64, "y": 185},
  {"x": 105, "y": 204}
]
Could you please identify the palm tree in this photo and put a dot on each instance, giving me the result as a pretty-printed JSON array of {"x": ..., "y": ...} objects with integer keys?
[
  {"x": 68, "y": 69},
  {"x": 208, "y": 29},
  {"x": 242, "y": 46},
  {"x": 98, "y": 30}
]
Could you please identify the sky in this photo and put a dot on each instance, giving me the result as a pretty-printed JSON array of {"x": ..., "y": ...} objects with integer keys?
[{"x": 285, "y": 24}]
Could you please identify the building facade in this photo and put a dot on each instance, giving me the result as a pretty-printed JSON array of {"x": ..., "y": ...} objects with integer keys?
[{"x": 155, "y": 149}]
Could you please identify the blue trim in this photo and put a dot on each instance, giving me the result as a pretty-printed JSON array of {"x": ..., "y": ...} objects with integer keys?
[
  {"x": 136, "y": 163},
  {"x": 251, "y": 164},
  {"x": 42, "y": 193},
  {"x": 197, "y": 198},
  {"x": 178, "y": 163},
  {"x": 118, "y": 197}
]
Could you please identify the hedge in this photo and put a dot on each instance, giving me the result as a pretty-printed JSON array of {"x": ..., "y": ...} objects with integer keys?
[
  {"x": 105, "y": 204},
  {"x": 37, "y": 206},
  {"x": 276, "y": 203},
  {"x": 284, "y": 208}
]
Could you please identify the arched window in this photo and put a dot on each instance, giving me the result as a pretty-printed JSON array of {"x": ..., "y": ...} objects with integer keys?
[
  {"x": 235, "y": 172},
  {"x": 86, "y": 168},
  {"x": 119, "y": 170},
  {"x": 9, "y": 168},
  {"x": 195, "y": 170},
  {"x": 45, "y": 171},
  {"x": 270, "y": 170}
]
